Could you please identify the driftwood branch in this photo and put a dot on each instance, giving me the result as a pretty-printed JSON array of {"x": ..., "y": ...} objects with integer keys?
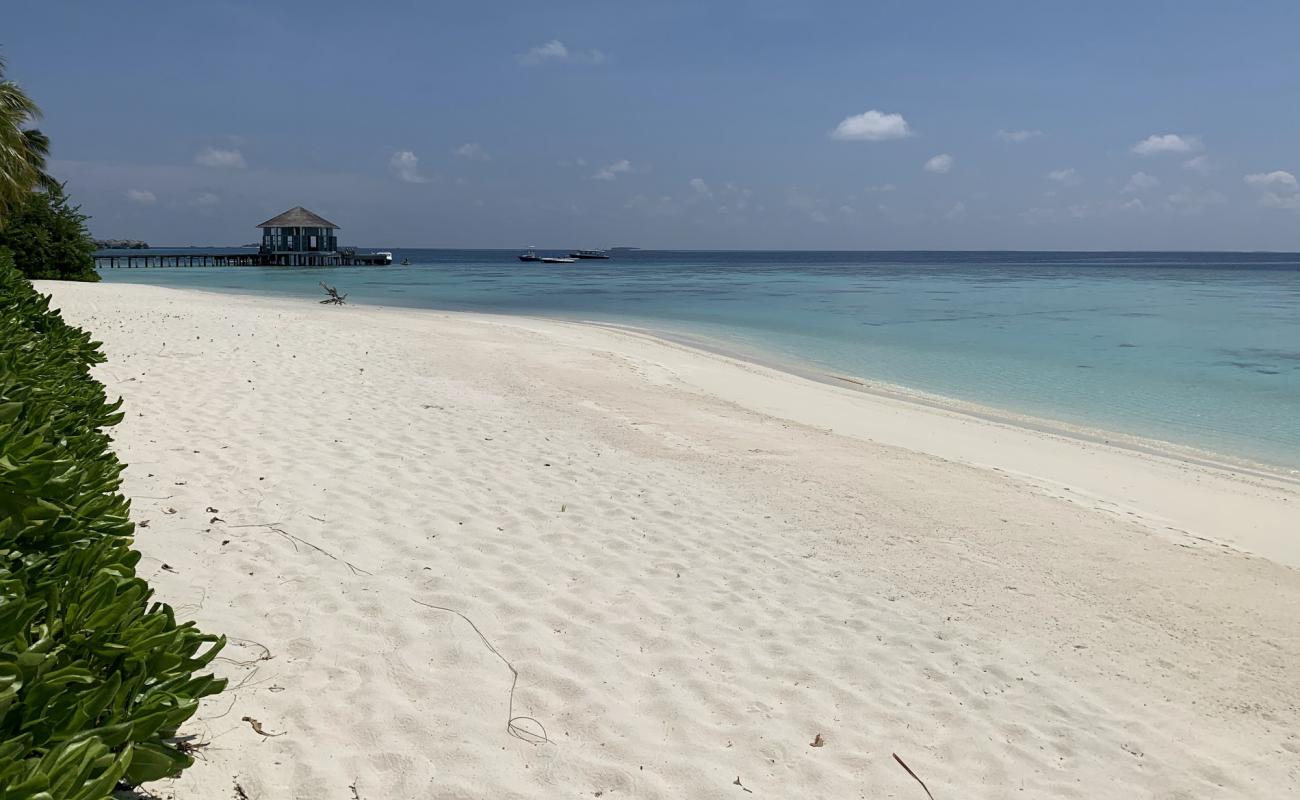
[{"x": 334, "y": 296}]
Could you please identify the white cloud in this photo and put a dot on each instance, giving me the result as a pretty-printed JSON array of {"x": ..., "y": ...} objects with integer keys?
[
  {"x": 1281, "y": 189},
  {"x": 1139, "y": 181},
  {"x": 142, "y": 196},
  {"x": 881, "y": 187},
  {"x": 1278, "y": 178},
  {"x": 1167, "y": 143},
  {"x": 1134, "y": 205},
  {"x": 1291, "y": 202},
  {"x": 700, "y": 187},
  {"x": 611, "y": 171},
  {"x": 473, "y": 151},
  {"x": 1067, "y": 176},
  {"x": 939, "y": 165},
  {"x": 1016, "y": 137},
  {"x": 406, "y": 166},
  {"x": 1192, "y": 201},
  {"x": 204, "y": 199},
  {"x": 576, "y": 162},
  {"x": 957, "y": 211},
  {"x": 1199, "y": 164},
  {"x": 872, "y": 126},
  {"x": 555, "y": 51},
  {"x": 220, "y": 159}
]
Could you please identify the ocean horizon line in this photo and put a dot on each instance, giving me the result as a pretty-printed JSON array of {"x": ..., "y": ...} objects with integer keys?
[{"x": 636, "y": 249}]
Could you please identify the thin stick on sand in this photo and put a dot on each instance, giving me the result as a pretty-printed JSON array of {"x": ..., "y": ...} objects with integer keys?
[
  {"x": 513, "y": 729},
  {"x": 913, "y": 774}
]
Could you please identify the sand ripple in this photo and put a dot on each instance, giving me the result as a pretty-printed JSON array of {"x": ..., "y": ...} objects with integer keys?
[{"x": 690, "y": 591}]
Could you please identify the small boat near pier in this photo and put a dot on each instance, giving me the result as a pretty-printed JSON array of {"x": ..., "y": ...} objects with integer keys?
[{"x": 531, "y": 255}]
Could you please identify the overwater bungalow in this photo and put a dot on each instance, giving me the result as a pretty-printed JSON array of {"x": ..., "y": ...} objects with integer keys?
[
  {"x": 299, "y": 238},
  {"x": 296, "y": 238}
]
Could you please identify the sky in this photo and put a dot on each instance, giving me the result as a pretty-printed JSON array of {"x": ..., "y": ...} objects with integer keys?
[{"x": 768, "y": 124}]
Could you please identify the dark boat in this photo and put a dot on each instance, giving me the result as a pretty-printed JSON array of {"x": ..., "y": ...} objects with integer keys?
[
  {"x": 588, "y": 254},
  {"x": 531, "y": 255}
]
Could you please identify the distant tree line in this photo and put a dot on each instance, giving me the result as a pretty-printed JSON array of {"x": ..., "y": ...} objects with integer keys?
[{"x": 46, "y": 233}]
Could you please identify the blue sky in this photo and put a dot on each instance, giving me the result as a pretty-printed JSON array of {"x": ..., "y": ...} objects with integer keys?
[{"x": 764, "y": 124}]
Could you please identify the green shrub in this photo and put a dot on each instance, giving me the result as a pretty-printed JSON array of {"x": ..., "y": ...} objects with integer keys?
[
  {"x": 48, "y": 238},
  {"x": 94, "y": 678}
]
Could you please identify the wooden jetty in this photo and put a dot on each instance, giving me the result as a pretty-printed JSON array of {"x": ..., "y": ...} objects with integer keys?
[
  {"x": 347, "y": 257},
  {"x": 296, "y": 238},
  {"x": 148, "y": 258}
]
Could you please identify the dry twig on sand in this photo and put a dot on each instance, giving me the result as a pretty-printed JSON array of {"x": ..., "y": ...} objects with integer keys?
[
  {"x": 334, "y": 296},
  {"x": 296, "y": 540},
  {"x": 257, "y": 727},
  {"x": 524, "y": 734},
  {"x": 913, "y": 774}
]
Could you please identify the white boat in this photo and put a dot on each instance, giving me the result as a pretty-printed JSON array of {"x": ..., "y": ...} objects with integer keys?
[{"x": 551, "y": 260}]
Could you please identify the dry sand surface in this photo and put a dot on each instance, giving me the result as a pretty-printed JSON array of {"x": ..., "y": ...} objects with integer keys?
[{"x": 697, "y": 566}]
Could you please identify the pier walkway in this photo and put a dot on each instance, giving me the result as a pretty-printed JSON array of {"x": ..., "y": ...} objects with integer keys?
[
  {"x": 234, "y": 257},
  {"x": 178, "y": 258}
]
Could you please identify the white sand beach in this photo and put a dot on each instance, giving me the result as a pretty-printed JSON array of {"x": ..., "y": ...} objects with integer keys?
[{"x": 697, "y": 566}]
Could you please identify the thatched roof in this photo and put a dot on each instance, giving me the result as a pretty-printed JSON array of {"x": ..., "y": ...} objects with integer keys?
[{"x": 298, "y": 217}]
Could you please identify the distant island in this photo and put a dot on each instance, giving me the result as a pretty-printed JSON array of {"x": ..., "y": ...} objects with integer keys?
[{"x": 120, "y": 244}]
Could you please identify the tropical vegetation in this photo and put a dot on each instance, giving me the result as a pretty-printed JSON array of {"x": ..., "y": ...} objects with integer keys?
[
  {"x": 95, "y": 677},
  {"x": 23, "y": 149},
  {"x": 47, "y": 235}
]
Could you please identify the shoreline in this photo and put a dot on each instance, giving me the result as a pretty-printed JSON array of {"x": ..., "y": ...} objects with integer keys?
[
  {"x": 1165, "y": 519},
  {"x": 1044, "y": 423},
  {"x": 694, "y": 565},
  {"x": 1200, "y": 517},
  {"x": 1146, "y": 445}
]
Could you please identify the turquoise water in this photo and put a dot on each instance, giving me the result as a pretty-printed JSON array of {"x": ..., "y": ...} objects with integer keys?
[{"x": 1199, "y": 349}]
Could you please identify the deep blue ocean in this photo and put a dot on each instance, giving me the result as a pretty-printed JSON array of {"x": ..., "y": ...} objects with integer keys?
[{"x": 1199, "y": 349}]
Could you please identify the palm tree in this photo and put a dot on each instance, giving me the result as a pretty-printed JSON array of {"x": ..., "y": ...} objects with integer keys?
[
  {"x": 23, "y": 150},
  {"x": 38, "y": 152}
]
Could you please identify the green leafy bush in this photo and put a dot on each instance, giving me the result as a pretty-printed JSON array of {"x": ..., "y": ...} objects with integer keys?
[
  {"x": 48, "y": 237},
  {"x": 94, "y": 678}
]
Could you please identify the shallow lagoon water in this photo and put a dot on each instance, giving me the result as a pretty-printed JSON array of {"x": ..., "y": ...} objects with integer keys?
[{"x": 1198, "y": 349}]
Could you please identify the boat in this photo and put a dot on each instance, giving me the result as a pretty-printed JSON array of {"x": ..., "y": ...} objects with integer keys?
[
  {"x": 588, "y": 254},
  {"x": 406, "y": 262},
  {"x": 379, "y": 258},
  {"x": 531, "y": 255},
  {"x": 553, "y": 260}
]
